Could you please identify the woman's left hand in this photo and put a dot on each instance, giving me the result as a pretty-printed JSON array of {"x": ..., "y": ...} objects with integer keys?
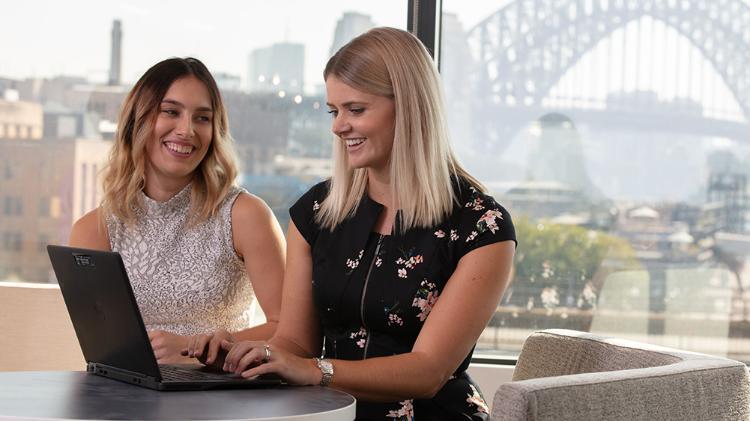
[
  {"x": 168, "y": 346},
  {"x": 250, "y": 359}
]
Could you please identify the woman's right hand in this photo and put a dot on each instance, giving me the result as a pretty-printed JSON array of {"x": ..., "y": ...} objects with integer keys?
[
  {"x": 253, "y": 358},
  {"x": 207, "y": 348}
]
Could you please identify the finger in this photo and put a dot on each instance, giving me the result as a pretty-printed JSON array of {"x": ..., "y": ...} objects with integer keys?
[
  {"x": 238, "y": 351},
  {"x": 250, "y": 359},
  {"x": 200, "y": 344},
  {"x": 213, "y": 350},
  {"x": 259, "y": 370}
]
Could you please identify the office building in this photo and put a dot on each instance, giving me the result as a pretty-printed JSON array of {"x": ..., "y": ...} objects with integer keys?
[{"x": 278, "y": 68}]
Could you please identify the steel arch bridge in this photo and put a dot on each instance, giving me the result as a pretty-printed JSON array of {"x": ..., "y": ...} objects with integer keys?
[{"x": 524, "y": 49}]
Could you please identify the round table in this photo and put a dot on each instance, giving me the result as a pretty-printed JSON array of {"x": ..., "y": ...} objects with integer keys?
[{"x": 79, "y": 395}]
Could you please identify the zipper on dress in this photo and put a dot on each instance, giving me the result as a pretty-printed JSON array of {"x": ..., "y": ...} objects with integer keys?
[{"x": 364, "y": 292}]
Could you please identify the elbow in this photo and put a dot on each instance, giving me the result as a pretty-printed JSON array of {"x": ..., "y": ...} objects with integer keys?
[{"x": 433, "y": 384}]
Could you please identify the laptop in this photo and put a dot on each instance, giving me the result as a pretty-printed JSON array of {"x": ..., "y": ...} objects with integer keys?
[{"x": 111, "y": 332}]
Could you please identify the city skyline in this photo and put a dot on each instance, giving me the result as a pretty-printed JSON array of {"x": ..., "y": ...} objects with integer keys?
[{"x": 45, "y": 39}]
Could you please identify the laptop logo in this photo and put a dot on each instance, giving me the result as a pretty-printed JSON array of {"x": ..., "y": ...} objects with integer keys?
[{"x": 83, "y": 260}]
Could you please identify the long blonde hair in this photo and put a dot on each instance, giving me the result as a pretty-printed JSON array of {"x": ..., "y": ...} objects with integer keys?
[
  {"x": 393, "y": 63},
  {"x": 124, "y": 176}
]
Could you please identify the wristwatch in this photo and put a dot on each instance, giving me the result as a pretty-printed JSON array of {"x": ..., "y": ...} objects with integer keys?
[{"x": 326, "y": 367}]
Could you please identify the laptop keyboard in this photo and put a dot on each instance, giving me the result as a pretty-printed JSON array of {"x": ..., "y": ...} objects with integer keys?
[{"x": 177, "y": 374}]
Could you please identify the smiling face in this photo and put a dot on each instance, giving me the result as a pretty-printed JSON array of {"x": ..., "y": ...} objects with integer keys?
[
  {"x": 364, "y": 122},
  {"x": 182, "y": 134}
]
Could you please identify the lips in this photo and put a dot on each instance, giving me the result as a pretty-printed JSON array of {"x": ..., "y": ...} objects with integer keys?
[
  {"x": 355, "y": 141},
  {"x": 177, "y": 148}
]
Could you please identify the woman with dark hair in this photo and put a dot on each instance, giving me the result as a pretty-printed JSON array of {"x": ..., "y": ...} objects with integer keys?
[{"x": 196, "y": 247}]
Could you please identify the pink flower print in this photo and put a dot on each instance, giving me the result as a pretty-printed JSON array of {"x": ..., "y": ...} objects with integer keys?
[
  {"x": 394, "y": 319},
  {"x": 454, "y": 235},
  {"x": 476, "y": 204},
  {"x": 488, "y": 220},
  {"x": 409, "y": 261},
  {"x": 378, "y": 262},
  {"x": 475, "y": 398},
  {"x": 439, "y": 233},
  {"x": 362, "y": 335},
  {"x": 316, "y": 206},
  {"x": 472, "y": 236},
  {"x": 425, "y": 299},
  {"x": 354, "y": 263},
  {"x": 405, "y": 413}
]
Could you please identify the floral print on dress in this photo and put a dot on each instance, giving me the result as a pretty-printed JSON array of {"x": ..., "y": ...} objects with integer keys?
[
  {"x": 439, "y": 233},
  {"x": 360, "y": 336},
  {"x": 454, "y": 235},
  {"x": 316, "y": 205},
  {"x": 354, "y": 263},
  {"x": 405, "y": 413},
  {"x": 425, "y": 299},
  {"x": 472, "y": 236},
  {"x": 408, "y": 260},
  {"x": 476, "y": 202},
  {"x": 394, "y": 319},
  {"x": 488, "y": 221},
  {"x": 475, "y": 399}
]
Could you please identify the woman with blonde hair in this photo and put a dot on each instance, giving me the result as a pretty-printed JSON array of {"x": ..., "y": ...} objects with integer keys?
[
  {"x": 191, "y": 240},
  {"x": 396, "y": 264}
]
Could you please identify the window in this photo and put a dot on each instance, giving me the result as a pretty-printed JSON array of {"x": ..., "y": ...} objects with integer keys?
[
  {"x": 12, "y": 206},
  {"x": 12, "y": 241},
  {"x": 267, "y": 59},
  {"x": 619, "y": 147}
]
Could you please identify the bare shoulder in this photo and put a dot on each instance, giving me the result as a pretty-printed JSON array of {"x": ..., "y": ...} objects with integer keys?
[
  {"x": 89, "y": 232},
  {"x": 249, "y": 209}
]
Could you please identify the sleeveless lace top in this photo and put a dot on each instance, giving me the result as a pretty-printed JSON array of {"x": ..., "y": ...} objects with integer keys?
[{"x": 186, "y": 280}]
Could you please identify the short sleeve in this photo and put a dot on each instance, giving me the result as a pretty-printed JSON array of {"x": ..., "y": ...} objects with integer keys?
[
  {"x": 303, "y": 211},
  {"x": 482, "y": 222}
]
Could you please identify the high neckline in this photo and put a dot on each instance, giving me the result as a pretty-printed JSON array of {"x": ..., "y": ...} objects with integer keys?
[{"x": 179, "y": 201}]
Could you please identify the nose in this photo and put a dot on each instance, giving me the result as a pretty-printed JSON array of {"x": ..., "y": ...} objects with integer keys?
[
  {"x": 340, "y": 125},
  {"x": 184, "y": 127}
]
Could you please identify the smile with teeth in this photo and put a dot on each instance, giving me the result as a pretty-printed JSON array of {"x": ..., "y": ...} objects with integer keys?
[
  {"x": 355, "y": 142},
  {"x": 183, "y": 149}
]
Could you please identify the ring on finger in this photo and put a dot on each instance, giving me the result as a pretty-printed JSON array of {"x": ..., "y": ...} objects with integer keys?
[{"x": 267, "y": 357}]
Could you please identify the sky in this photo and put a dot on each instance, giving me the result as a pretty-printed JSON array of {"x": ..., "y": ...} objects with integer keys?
[{"x": 45, "y": 38}]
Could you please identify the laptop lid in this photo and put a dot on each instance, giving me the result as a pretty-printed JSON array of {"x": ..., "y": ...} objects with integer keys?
[{"x": 103, "y": 309}]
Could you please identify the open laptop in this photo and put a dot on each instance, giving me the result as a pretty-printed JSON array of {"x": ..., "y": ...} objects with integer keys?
[{"x": 113, "y": 338}]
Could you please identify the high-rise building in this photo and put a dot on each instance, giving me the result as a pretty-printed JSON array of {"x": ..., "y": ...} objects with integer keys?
[
  {"x": 115, "y": 60},
  {"x": 277, "y": 68},
  {"x": 21, "y": 120},
  {"x": 349, "y": 26},
  {"x": 33, "y": 213}
]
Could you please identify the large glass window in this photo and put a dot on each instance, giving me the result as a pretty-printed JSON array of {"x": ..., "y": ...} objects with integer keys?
[
  {"x": 67, "y": 66},
  {"x": 615, "y": 132}
]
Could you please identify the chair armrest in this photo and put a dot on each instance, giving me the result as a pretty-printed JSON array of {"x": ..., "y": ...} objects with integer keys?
[{"x": 696, "y": 389}]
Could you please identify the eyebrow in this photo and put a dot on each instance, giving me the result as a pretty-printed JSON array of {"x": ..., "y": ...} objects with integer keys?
[
  {"x": 346, "y": 104},
  {"x": 179, "y": 104}
]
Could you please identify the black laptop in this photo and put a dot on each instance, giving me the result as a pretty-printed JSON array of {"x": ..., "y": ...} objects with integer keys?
[{"x": 111, "y": 332}]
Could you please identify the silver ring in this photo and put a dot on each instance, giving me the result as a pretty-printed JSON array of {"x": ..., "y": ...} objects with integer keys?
[{"x": 268, "y": 353}]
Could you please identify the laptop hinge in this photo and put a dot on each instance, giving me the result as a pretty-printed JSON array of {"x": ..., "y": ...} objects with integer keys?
[{"x": 122, "y": 375}]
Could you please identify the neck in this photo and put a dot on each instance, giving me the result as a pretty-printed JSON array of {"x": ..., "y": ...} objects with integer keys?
[
  {"x": 379, "y": 187},
  {"x": 162, "y": 189}
]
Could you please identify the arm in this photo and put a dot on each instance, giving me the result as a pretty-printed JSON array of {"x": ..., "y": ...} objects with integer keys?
[
  {"x": 257, "y": 235},
  {"x": 90, "y": 233},
  {"x": 259, "y": 241},
  {"x": 452, "y": 328}
]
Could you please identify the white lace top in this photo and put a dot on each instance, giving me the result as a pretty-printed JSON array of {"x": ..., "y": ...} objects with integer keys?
[{"x": 186, "y": 280}]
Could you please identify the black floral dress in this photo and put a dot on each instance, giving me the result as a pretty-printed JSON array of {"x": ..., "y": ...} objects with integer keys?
[{"x": 374, "y": 292}]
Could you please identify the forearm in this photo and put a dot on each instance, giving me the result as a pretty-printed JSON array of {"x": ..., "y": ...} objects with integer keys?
[
  {"x": 262, "y": 332},
  {"x": 398, "y": 377}
]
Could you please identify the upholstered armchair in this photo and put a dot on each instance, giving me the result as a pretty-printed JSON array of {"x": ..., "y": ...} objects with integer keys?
[{"x": 568, "y": 375}]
